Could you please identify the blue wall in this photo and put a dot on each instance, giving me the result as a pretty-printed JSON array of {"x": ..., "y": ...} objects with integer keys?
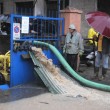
[{"x": 21, "y": 70}]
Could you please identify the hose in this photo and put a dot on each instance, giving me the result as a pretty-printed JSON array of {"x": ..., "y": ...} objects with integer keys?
[{"x": 71, "y": 71}]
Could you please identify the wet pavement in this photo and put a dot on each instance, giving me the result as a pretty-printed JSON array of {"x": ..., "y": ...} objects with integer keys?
[
  {"x": 88, "y": 73},
  {"x": 34, "y": 89},
  {"x": 21, "y": 92}
]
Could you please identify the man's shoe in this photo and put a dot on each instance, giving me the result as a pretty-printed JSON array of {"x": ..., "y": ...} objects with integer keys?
[
  {"x": 96, "y": 72},
  {"x": 101, "y": 78},
  {"x": 104, "y": 72}
]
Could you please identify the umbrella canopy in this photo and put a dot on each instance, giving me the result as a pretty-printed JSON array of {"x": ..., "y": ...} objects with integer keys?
[{"x": 100, "y": 21}]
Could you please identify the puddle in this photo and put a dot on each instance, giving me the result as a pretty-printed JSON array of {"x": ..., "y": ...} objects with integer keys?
[{"x": 18, "y": 93}]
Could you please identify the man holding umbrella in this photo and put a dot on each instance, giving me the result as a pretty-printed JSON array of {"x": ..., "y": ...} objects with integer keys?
[
  {"x": 103, "y": 50},
  {"x": 100, "y": 21}
]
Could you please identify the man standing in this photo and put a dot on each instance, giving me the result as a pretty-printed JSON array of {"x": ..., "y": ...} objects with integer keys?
[
  {"x": 103, "y": 51},
  {"x": 73, "y": 46}
]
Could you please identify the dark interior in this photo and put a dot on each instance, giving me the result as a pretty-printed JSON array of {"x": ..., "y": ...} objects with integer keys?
[
  {"x": 4, "y": 44},
  {"x": 1, "y": 8},
  {"x": 24, "y": 8},
  {"x": 104, "y": 6}
]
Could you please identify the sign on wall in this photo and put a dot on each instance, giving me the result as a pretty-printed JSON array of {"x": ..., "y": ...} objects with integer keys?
[
  {"x": 25, "y": 25},
  {"x": 16, "y": 31}
]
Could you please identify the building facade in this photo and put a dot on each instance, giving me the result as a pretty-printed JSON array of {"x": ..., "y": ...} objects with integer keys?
[
  {"x": 86, "y": 6},
  {"x": 44, "y": 7}
]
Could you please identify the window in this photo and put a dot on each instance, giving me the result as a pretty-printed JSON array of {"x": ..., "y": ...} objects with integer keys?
[
  {"x": 1, "y": 8},
  {"x": 64, "y": 4},
  {"x": 24, "y": 8},
  {"x": 104, "y": 6}
]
